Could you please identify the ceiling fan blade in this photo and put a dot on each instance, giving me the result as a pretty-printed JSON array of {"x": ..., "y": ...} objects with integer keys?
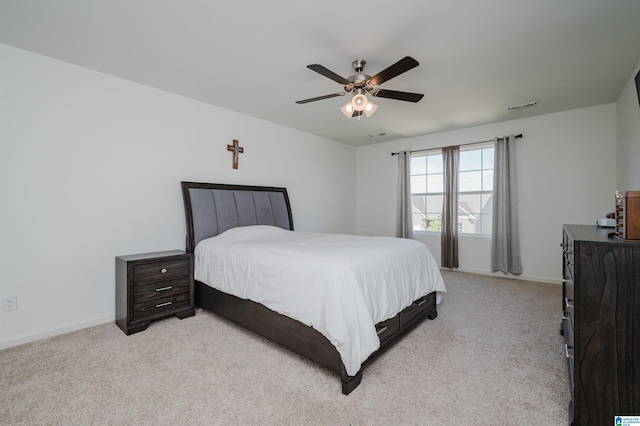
[
  {"x": 400, "y": 96},
  {"x": 403, "y": 65},
  {"x": 328, "y": 73},
  {"x": 319, "y": 98}
]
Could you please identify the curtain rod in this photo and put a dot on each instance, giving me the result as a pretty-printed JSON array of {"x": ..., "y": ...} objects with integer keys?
[{"x": 462, "y": 144}]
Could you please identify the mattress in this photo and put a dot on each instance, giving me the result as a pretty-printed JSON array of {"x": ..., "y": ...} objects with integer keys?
[{"x": 341, "y": 285}]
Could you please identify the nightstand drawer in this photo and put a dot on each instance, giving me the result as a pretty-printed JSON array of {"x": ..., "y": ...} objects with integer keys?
[
  {"x": 159, "y": 290},
  {"x": 160, "y": 306},
  {"x": 157, "y": 271}
]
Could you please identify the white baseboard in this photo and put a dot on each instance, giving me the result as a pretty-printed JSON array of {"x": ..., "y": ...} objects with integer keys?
[
  {"x": 55, "y": 332},
  {"x": 514, "y": 277}
]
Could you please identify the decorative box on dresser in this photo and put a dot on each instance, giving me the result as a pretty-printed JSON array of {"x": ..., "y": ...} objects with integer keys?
[
  {"x": 151, "y": 286},
  {"x": 601, "y": 324},
  {"x": 628, "y": 216}
]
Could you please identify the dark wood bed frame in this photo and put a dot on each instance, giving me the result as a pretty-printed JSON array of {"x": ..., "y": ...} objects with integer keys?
[{"x": 290, "y": 333}]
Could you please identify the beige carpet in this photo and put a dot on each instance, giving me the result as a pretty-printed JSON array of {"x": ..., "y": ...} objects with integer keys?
[{"x": 492, "y": 357}]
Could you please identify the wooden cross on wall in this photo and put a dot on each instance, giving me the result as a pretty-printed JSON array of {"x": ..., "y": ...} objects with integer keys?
[{"x": 236, "y": 151}]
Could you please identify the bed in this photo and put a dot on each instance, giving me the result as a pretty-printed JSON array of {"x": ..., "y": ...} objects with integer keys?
[{"x": 252, "y": 269}]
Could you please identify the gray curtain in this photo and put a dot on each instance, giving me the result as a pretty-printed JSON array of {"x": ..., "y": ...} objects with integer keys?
[
  {"x": 449, "y": 234},
  {"x": 404, "y": 220},
  {"x": 505, "y": 239}
]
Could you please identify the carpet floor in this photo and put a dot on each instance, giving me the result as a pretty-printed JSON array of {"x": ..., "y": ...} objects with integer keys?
[{"x": 493, "y": 356}]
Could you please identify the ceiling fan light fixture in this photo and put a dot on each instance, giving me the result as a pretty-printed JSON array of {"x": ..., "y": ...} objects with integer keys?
[
  {"x": 347, "y": 109},
  {"x": 359, "y": 102},
  {"x": 359, "y": 106},
  {"x": 370, "y": 109}
]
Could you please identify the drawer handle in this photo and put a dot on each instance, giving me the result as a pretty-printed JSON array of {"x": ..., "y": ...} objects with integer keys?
[
  {"x": 422, "y": 302},
  {"x": 163, "y": 271},
  {"x": 164, "y": 288},
  {"x": 568, "y": 302},
  {"x": 566, "y": 316},
  {"x": 382, "y": 330},
  {"x": 567, "y": 348},
  {"x": 567, "y": 280},
  {"x": 163, "y": 304}
]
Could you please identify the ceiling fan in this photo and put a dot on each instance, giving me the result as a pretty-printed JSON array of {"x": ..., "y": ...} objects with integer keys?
[{"x": 360, "y": 84}]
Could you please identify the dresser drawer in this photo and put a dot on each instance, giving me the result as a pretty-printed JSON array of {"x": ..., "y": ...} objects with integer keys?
[
  {"x": 568, "y": 263},
  {"x": 387, "y": 328},
  {"x": 568, "y": 332},
  {"x": 567, "y": 256},
  {"x": 157, "y": 271},
  {"x": 161, "y": 305},
  {"x": 416, "y": 308},
  {"x": 569, "y": 340},
  {"x": 159, "y": 290},
  {"x": 568, "y": 308}
]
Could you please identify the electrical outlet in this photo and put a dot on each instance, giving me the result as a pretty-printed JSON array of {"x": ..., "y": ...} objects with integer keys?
[{"x": 9, "y": 303}]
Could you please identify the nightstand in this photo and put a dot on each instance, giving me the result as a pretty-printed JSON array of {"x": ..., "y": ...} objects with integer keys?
[{"x": 151, "y": 286}]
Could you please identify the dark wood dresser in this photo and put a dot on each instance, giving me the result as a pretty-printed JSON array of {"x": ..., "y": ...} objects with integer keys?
[
  {"x": 150, "y": 286},
  {"x": 601, "y": 324}
]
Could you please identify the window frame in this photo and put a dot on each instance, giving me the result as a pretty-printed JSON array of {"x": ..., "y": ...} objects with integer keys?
[{"x": 481, "y": 193}]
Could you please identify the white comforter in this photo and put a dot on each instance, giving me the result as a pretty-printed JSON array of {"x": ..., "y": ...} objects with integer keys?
[{"x": 341, "y": 285}]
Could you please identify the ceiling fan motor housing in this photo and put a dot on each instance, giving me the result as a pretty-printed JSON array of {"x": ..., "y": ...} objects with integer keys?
[
  {"x": 359, "y": 65},
  {"x": 359, "y": 80}
]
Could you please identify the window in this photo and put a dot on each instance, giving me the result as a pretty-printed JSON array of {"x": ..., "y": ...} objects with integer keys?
[{"x": 475, "y": 190}]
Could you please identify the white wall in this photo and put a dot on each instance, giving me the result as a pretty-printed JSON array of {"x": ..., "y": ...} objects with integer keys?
[
  {"x": 628, "y": 122},
  {"x": 565, "y": 174},
  {"x": 90, "y": 168}
]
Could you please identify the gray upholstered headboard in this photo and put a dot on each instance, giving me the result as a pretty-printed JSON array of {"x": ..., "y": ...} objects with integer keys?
[{"x": 212, "y": 208}]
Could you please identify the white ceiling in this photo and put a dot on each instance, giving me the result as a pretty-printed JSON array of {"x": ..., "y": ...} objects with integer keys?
[{"x": 477, "y": 57}]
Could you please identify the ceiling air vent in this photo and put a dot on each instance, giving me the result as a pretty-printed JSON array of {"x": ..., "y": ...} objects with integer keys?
[{"x": 522, "y": 107}]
